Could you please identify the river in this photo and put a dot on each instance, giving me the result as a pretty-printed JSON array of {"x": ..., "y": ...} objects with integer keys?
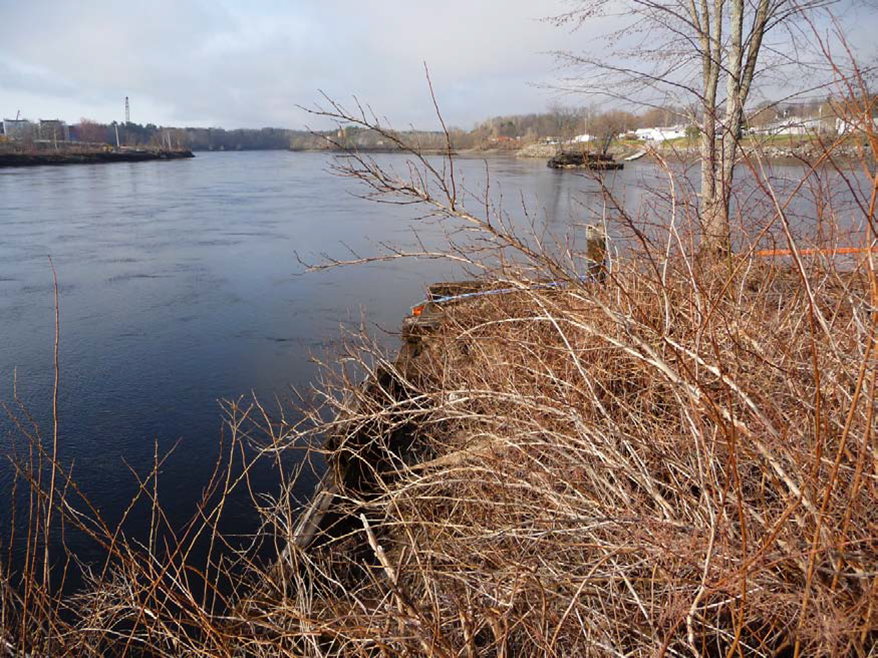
[{"x": 180, "y": 286}]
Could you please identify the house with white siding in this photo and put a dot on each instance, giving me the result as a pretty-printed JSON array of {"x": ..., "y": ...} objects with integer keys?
[{"x": 660, "y": 134}]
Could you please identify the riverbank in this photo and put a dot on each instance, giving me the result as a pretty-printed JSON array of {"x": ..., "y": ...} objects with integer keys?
[
  {"x": 54, "y": 158},
  {"x": 550, "y": 458},
  {"x": 688, "y": 151},
  {"x": 555, "y": 454},
  {"x": 625, "y": 455}
]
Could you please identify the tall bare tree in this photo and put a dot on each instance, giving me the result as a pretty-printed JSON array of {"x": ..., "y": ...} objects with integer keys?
[
  {"x": 606, "y": 126},
  {"x": 678, "y": 49},
  {"x": 88, "y": 130},
  {"x": 566, "y": 119}
]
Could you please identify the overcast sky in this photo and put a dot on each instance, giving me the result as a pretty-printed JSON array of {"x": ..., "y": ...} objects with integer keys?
[{"x": 249, "y": 63}]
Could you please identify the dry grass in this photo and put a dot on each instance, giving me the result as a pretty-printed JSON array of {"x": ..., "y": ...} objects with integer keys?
[
  {"x": 680, "y": 460},
  {"x": 627, "y": 469}
]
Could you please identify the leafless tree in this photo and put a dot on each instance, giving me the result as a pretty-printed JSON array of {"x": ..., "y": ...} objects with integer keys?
[
  {"x": 605, "y": 126},
  {"x": 91, "y": 131},
  {"x": 682, "y": 49},
  {"x": 566, "y": 120}
]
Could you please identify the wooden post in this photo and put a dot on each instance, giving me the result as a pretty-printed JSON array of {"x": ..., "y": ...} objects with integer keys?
[{"x": 596, "y": 249}]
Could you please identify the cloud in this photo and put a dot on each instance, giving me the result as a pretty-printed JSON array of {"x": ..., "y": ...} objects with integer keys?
[
  {"x": 236, "y": 64},
  {"x": 250, "y": 64}
]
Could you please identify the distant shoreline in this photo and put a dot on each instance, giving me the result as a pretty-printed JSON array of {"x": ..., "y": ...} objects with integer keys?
[
  {"x": 89, "y": 157},
  {"x": 799, "y": 153},
  {"x": 781, "y": 153}
]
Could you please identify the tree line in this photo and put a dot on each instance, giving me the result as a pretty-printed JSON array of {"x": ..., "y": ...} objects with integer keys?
[
  {"x": 559, "y": 123},
  {"x": 200, "y": 139}
]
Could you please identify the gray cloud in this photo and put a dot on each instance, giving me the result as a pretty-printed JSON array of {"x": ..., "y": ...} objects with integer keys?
[{"x": 237, "y": 64}]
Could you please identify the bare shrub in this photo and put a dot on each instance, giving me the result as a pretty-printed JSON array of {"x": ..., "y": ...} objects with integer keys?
[{"x": 676, "y": 459}]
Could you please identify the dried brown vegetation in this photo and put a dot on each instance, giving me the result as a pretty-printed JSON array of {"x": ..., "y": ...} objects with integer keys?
[
  {"x": 637, "y": 473},
  {"x": 680, "y": 460}
]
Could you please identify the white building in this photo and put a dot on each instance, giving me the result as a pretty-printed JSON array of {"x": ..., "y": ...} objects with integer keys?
[
  {"x": 19, "y": 129},
  {"x": 791, "y": 126},
  {"x": 844, "y": 126},
  {"x": 794, "y": 126},
  {"x": 661, "y": 134},
  {"x": 582, "y": 139}
]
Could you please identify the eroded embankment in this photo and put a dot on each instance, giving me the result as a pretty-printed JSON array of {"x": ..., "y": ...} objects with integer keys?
[{"x": 631, "y": 465}]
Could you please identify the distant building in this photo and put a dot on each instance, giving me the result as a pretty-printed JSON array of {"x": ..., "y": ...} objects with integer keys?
[
  {"x": 794, "y": 126},
  {"x": 19, "y": 129},
  {"x": 54, "y": 130},
  {"x": 660, "y": 134},
  {"x": 845, "y": 126},
  {"x": 582, "y": 139},
  {"x": 790, "y": 126}
]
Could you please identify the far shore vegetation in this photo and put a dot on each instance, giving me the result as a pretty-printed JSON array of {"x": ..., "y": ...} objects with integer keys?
[{"x": 790, "y": 125}]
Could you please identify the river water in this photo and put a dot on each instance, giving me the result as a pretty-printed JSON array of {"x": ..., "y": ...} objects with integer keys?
[{"x": 179, "y": 287}]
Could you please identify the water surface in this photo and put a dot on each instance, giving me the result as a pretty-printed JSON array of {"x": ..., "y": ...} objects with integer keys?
[{"x": 179, "y": 287}]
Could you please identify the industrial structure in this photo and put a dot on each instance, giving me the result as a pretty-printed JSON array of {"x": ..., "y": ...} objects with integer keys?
[
  {"x": 54, "y": 130},
  {"x": 19, "y": 129}
]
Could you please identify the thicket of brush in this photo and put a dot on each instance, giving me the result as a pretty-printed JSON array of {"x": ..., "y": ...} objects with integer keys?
[
  {"x": 629, "y": 471},
  {"x": 677, "y": 459}
]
